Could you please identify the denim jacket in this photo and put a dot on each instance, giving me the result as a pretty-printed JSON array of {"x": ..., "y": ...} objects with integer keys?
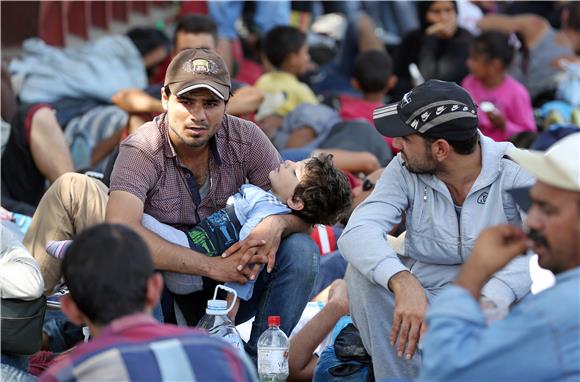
[
  {"x": 539, "y": 340},
  {"x": 438, "y": 239}
]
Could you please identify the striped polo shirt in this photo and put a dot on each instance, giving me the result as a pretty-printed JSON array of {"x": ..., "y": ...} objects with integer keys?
[{"x": 138, "y": 348}]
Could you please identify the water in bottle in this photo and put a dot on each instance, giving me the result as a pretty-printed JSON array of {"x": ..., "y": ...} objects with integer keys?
[
  {"x": 273, "y": 347},
  {"x": 217, "y": 322}
]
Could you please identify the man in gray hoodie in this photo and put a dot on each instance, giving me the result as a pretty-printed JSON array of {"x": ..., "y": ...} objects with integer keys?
[{"x": 449, "y": 182}]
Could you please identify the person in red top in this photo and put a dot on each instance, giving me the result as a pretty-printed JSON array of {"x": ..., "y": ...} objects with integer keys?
[{"x": 373, "y": 77}]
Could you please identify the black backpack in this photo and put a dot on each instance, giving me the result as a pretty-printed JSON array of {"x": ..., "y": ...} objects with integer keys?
[{"x": 21, "y": 322}]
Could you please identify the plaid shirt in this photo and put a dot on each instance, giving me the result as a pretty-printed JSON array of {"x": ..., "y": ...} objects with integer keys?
[
  {"x": 148, "y": 167},
  {"x": 138, "y": 348}
]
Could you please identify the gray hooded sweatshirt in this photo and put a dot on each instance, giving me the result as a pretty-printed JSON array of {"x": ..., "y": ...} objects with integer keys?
[{"x": 439, "y": 237}]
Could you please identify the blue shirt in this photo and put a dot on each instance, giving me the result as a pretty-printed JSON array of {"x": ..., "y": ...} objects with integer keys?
[
  {"x": 138, "y": 348},
  {"x": 538, "y": 340},
  {"x": 252, "y": 205}
]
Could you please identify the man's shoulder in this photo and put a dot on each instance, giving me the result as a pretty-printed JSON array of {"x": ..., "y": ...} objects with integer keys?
[
  {"x": 149, "y": 137},
  {"x": 237, "y": 130}
]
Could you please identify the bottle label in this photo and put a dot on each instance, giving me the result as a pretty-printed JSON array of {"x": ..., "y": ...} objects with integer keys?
[{"x": 273, "y": 360}]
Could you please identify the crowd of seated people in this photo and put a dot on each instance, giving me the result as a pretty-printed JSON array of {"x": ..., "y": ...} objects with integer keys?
[{"x": 369, "y": 156}]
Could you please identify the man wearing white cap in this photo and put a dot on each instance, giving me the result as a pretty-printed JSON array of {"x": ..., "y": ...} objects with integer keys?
[{"x": 540, "y": 338}]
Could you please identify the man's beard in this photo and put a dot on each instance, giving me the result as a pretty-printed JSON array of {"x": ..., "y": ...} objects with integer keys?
[{"x": 428, "y": 166}]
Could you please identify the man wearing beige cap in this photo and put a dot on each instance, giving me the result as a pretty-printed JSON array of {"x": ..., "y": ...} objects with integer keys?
[
  {"x": 180, "y": 168},
  {"x": 540, "y": 338}
]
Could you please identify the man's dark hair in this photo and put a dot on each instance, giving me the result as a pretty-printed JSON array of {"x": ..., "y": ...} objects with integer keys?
[
  {"x": 325, "y": 192},
  {"x": 281, "y": 41},
  {"x": 196, "y": 24},
  {"x": 464, "y": 147},
  {"x": 494, "y": 44},
  {"x": 372, "y": 70},
  {"x": 106, "y": 269},
  {"x": 148, "y": 39}
]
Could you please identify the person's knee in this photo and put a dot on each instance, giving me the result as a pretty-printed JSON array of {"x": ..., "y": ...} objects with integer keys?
[
  {"x": 64, "y": 183},
  {"x": 299, "y": 254},
  {"x": 66, "y": 186}
]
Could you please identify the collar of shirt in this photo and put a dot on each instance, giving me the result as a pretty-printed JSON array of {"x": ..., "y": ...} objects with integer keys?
[{"x": 128, "y": 322}]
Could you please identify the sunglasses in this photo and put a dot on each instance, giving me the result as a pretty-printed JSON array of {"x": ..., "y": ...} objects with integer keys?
[{"x": 367, "y": 184}]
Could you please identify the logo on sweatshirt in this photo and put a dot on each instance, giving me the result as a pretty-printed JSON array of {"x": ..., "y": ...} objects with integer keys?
[{"x": 482, "y": 198}]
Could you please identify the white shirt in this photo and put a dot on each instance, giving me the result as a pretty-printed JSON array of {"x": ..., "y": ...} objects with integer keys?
[{"x": 20, "y": 275}]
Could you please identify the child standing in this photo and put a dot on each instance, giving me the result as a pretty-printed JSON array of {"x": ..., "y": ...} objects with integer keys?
[{"x": 505, "y": 108}]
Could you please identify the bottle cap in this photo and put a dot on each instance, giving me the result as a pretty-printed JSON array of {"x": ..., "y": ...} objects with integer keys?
[
  {"x": 216, "y": 307},
  {"x": 273, "y": 320}
]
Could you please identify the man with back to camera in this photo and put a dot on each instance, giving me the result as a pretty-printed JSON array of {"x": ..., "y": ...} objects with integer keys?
[
  {"x": 113, "y": 289},
  {"x": 449, "y": 181}
]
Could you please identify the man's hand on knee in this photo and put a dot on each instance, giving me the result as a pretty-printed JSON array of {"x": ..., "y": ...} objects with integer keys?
[{"x": 410, "y": 308}]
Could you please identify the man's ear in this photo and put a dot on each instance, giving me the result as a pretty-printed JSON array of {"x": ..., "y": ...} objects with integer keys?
[
  {"x": 440, "y": 149},
  {"x": 355, "y": 84},
  {"x": 295, "y": 204},
  {"x": 71, "y": 310},
  {"x": 164, "y": 98},
  {"x": 154, "y": 290}
]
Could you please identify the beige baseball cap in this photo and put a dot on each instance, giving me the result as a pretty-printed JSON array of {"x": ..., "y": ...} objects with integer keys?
[{"x": 559, "y": 166}]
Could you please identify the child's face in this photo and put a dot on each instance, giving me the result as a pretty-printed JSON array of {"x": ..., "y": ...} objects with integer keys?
[
  {"x": 479, "y": 66},
  {"x": 286, "y": 177},
  {"x": 300, "y": 61}
]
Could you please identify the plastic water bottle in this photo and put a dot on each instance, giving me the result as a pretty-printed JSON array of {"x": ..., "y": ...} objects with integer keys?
[
  {"x": 273, "y": 347},
  {"x": 217, "y": 322}
]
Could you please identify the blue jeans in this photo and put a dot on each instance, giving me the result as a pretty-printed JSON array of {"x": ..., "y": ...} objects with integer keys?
[
  {"x": 17, "y": 361},
  {"x": 285, "y": 291},
  {"x": 332, "y": 267},
  {"x": 62, "y": 334}
]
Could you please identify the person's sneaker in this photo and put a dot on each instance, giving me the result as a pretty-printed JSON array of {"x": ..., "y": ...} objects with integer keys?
[{"x": 57, "y": 248}]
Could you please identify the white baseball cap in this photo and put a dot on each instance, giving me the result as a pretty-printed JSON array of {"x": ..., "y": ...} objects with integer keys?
[{"x": 559, "y": 166}]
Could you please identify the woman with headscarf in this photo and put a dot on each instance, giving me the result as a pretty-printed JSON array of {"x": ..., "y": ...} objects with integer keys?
[{"x": 439, "y": 47}]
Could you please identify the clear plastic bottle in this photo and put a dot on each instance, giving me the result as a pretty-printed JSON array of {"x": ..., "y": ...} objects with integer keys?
[
  {"x": 217, "y": 322},
  {"x": 273, "y": 347}
]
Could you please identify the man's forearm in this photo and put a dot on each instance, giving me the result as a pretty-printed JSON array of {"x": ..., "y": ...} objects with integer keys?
[
  {"x": 171, "y": 257},
  {"x": 305, "y": 342},
  {"x": 292, "y": 224}
]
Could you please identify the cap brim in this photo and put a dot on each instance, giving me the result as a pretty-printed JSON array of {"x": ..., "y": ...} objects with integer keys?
[
  {"x": 535, "y": 163},
  {"x": 389, "y": 124},
  {"x": 522, "y": 197},
  {"x": 211, "y": 88}
]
